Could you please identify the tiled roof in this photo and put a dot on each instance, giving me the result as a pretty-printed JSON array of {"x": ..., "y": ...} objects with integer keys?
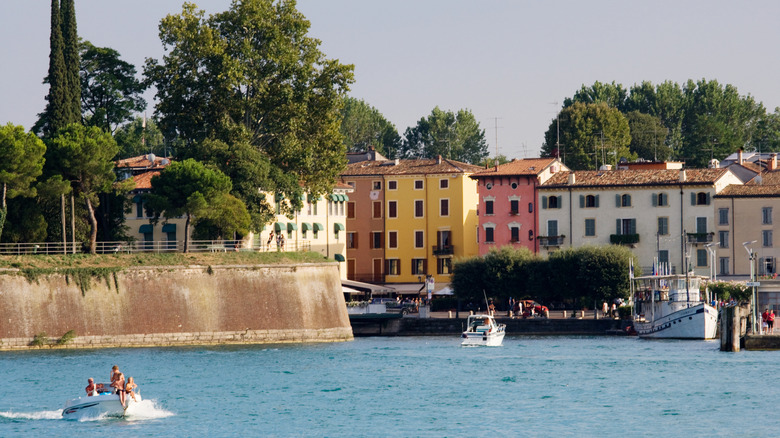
[
  {"x": 637, "y": 177},
  {"x": 144, "y": 180},
  {"x": 768, "y": 185},
  {"x": 529, "y": 166},
  {"x": 408, "y": 167},
  {"x": 143, "y": 162}
]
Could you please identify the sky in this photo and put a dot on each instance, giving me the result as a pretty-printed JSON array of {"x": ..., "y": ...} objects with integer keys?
[{"x": 511, "y": 63}]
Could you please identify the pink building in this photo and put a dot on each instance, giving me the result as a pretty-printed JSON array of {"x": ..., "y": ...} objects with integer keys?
[{"x": 507, "y": 202}]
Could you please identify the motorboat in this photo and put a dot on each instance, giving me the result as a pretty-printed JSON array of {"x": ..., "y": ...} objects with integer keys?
[
  {"x": 671, "y": 306},
  {"x": 483, "y": 330},
  {"x": 105, "y": 403}
]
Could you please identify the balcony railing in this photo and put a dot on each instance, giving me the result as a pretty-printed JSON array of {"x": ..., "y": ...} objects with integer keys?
[
  {"x": 623, "y": 239},
  {"x": 155, "y": 246},
  {"x": 551, "y": 240},
  {"x": 700, "y": 237},
  {"x": 441, "y": 250}
]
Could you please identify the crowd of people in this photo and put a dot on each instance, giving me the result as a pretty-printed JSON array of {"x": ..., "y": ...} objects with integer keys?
[{"x": 118, "y": 386}]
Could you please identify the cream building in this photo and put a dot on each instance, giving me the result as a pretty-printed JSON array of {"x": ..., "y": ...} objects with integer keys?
[{"x": 664, "y": 215}]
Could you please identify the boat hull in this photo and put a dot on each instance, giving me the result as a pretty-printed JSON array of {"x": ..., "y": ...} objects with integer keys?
[
  {"x": 104, "y": 405},
  {"x": 695, "y": 322},
  {"x": 488, "y": 340}
]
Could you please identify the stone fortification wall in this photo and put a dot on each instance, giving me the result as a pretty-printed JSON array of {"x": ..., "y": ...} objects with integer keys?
[{"x": 177, "y": 306}]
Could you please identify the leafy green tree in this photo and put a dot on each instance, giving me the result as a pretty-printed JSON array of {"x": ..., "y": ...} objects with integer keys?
[
  {"x": 363, "y": 125},
  {"x": 590, "y": 134},
  {"x": 648, "y": 137},
  {"x": 84, "y": 156},
  {"x": 110, "y": 92},
  {"x": 188, "y": 188},
  {"x": 612, "y": 94},
  {"x": 25, "y": 221},
  {"x": 252, "y": 74},
  {"x": 454, "y": 136},
  {"x": 70, "y": 53},
  {"x": 766, "y": 136},
  {"x": 499, "y": 160},
  {"x": 226, "y": 218},
  {"x": 135, "y": 139},
  {"x": 21, "y": 163}
]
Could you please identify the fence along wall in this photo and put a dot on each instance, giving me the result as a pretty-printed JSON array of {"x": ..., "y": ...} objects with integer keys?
[{"x": 178, "y": 306}]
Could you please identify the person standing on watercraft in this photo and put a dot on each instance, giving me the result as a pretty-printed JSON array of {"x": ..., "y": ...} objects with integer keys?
[{"x": 118, "y": 383}]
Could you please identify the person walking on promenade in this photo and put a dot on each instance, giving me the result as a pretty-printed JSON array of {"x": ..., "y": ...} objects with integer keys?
[{"x": 770, "y": 322}]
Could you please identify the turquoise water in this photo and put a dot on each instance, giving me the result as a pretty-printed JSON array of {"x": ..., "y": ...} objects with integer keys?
[{"x": 418, "y": 386}]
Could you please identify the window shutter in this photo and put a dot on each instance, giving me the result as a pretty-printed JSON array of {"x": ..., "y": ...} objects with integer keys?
[
  {"x": 655, "y": 199},
  {"x": 597, "y": 201},
  {"x": 582, "y": 201},
  {"x": 560, "y": 201},
  {"x": 617, "y": 200},
  {"x": 617, "y": 226},
  {"x": 632, "y": 226},
  {"x": 628, "y": 199},
  {"x": 544, "y": 202},
  {"x": 708, "y": 199},
  {"x": 693, "y": 198}
]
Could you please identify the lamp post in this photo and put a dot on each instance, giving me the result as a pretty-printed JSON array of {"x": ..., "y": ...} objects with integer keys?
[
  {"x": 752, "y": 257},
  {"x": 711, "y": 251}
]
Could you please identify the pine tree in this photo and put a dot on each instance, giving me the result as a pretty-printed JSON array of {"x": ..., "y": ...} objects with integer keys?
[
  {"x": 55, "y": 116},
  {"x": 71, "y": 55}
]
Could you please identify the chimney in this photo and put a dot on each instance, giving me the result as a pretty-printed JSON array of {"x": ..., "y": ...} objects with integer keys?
[
  {"x": 438, "y": 159},
  {"x": 682, "y": 175},
  {"x": 772, "y": 165},
  {"x": 739, "y": 156},
  {"x": 572, "y": 179}
]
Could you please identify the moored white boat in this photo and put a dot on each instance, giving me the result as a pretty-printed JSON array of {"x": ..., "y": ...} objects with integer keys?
[
  {"x": 483, "y": 330},
  {"x": 670, "y": 306},
  {"x": 104, "y": 404}
]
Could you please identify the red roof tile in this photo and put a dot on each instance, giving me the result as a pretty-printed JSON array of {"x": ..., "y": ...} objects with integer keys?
[
  {"x": 144, "y": 180},
  {"x": 408, "y": 167},
  {"x": 637, "y": 177},
  {"x": 528, "y": 166}
]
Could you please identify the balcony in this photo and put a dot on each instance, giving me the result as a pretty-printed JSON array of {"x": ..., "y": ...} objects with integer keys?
[
  {"x": 548, "y": 241},
  {"x": 443, "y": 250},
  {"x": 624, "y": 239},
  {"x": 700, "y": 237},
  {"x": 513, "y": 212}
]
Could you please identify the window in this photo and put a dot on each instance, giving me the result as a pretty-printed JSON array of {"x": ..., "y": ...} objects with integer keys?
[
  {"x": 766, "y": 238},
  {"x": 139, "y": 209},
  {"x": 376, "y": 240},
  {"x": 723, "y": 237},
  {"x": 444, "y": 183},
  {"x": 663, "y": 226},
  {"x": 377, "y": 210},
  {"x": 488, "y": 208},
  {"x": 766, "y": 215},
  {"x": 314, "y": 209},
  {"x": 392, "y": 239},
  {"x": 766, "y": 266},
  {"x": 352, "y": 240},
  {"x": 701, "y": 198},
  {"x": 724, "y": 266},
  {"x": 590, "y": 227},
  {"x": 552, "y": 228},
  {"x": 660, "y": 200},
  {"x": 489, "y": 235},
  {"x": 418, "y": 208},
  {"x": 393, "y": 267},
  {"x": 589, "y": 201},
  {"x": 419, "y": 267},
  {"x": 723, "y": 216},
  {"x": 419, "y": 242},
  {"x": 444, "y": 207},
  {"x": 377, "y": 185},
  {"x": 549, "y": 202},
  {"x": 444, "y": 266},
  {"x": 701, "y": 225},
  {"x": 350, "y": 210},
  {"x": 515, "y": 234},
  {"x": 701, "y": 257},
  {"x": 513, "y": 185},
  {"x": 626, "y": 226},
  {"x": 663, "y": 257},
  {"x": 623, "y": 200},
  {"x": 514, "y": 206},
  {"x": 418, "y": 184},
  {"x": 530, "y": 207},
  {"x": 392, "y": 185},
  {"x": 392, "y": 209}
]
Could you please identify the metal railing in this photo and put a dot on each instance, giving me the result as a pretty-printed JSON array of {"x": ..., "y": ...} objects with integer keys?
[
  {"x": 623, "y": 239},
  {"x": 443, "y": 250},
  {"x": 163, "y": 246},
  {"x": 551, "y": 240}
]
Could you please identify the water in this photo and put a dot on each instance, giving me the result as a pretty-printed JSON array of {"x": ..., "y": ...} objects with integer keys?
[{"x": 419, "y": 386}]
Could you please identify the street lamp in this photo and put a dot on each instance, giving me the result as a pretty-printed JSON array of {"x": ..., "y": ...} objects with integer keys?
[
  {"x": 752, "y": 257},
  {"x": 711, "y": 251}
]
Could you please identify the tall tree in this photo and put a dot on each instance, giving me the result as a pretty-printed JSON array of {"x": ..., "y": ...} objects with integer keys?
[
  {"x": 187, "y": 188},
  {"x": 110, "y": 92},
  {"x": 591, "y": 135},
  {"x": 21, "y": 162},
  {"x": 253, "y": 74},
  {"x": 363, "y": 125},
  {"x": 84, "y": 156},
  {"x": 648, "y": 137},
  {"x": 455, "y": 136},
  {"x": 70, "y": 52},
  {"x": 766, "y": 136},
  {"x": 612, "y": 94},
  {"x": 140, "y": 136},
  {"x": 55, "y": 116}
]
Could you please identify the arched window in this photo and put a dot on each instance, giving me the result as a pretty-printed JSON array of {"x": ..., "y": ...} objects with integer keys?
[
  {"x": 590, "y": 201},
  {"x": 625, "y": 200}
]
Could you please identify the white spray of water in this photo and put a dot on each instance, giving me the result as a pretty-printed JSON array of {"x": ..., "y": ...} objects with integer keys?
[
  {"x": 40, "y": 415},
  {"x": 144, "y": 410}
]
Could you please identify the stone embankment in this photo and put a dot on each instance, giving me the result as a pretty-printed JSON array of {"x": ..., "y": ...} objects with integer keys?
[{"x": 174, "y": 305}]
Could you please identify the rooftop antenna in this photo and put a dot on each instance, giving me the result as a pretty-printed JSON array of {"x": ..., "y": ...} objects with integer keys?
[
  {"x": 495, "y": 124},
  {"x": 558, "y": 131}
]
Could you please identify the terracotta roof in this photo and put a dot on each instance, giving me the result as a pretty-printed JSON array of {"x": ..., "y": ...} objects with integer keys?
[
  {"x": 528, "y": 166},
  {"x": 636, "y": 177},
  {"x": 144, "y": 180},
  {"x": 408, "y": 167},
  {"x": 768, "y": 186},
  {"x": 143, "y": 162},
  {"x": 343, "y": 186}
]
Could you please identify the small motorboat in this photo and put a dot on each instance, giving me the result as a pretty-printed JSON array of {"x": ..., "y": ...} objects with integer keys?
[
  {"x": 483, "y": 330},
  {"x": 104, "y": 403}
]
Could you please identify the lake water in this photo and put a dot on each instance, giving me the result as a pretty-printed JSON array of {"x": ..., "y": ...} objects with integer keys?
[{"x": 416, "y": 386}]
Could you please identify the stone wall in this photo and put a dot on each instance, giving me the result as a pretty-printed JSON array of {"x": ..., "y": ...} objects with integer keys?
[{"x": 149, "y": 306}]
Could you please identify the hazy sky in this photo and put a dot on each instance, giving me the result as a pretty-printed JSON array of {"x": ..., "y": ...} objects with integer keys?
[{"x": 506, "y": 61}]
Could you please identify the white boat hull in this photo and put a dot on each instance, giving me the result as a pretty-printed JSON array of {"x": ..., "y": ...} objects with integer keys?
[
  {"x": 696, "y": 322},
  {"x": 488, "y": 340},
  {"x": 106, "y": 405}
]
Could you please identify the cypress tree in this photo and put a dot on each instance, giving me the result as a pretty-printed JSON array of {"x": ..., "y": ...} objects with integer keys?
[
  {"x": 71, "y": 55},
  {"x": 55, "y": 116}
]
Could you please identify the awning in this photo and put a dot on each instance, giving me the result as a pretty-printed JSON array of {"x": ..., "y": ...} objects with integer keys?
[
  {"x": 339, "y": 258},
  {"x": 292, "y": 226},
  {"x": 144, "y": 229},
  {"x": 346, "y": 198},
  {"x": 169, "y": 228},
  {"x": 367, "y": 287},
  {"x": 305, "y": 226},
  {"x": 338, "y": 227},
  {"x": 318, "y": 227},
  {"x": 278, "y": 226}
]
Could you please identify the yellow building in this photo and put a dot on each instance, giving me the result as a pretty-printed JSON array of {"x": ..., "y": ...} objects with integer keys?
[{"x": 408, "y": 219}]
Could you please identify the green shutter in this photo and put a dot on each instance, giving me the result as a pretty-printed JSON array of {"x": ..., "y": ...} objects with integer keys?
[
  {"x": 617, "y": 201},
  {"x": 693, "y": 198},
  {"x": 632, "y": 226},
  {"x": 708, "y": 199},
  {"x": 597, "y": 201},
  {"x": 617, "y": 226},
  {"x": 582, "y": 201},
  {"x": 560, "y": 201},
  {"x": 655, "y": 199},
  {"x": 544, "y": 202}
]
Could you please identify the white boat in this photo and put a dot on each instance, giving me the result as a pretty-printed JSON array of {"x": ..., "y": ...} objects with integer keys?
[
  {"x": 483, "y": 330},
  {"x": 671, "y": 306},
  {"x": 104, "y": 404}
]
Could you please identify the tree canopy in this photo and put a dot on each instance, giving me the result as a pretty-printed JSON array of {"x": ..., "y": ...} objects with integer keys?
[
  {"x": 456, "y": 136},
  {"x": 363, "y": 125},
  {"x": 21, "y": 163}
]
